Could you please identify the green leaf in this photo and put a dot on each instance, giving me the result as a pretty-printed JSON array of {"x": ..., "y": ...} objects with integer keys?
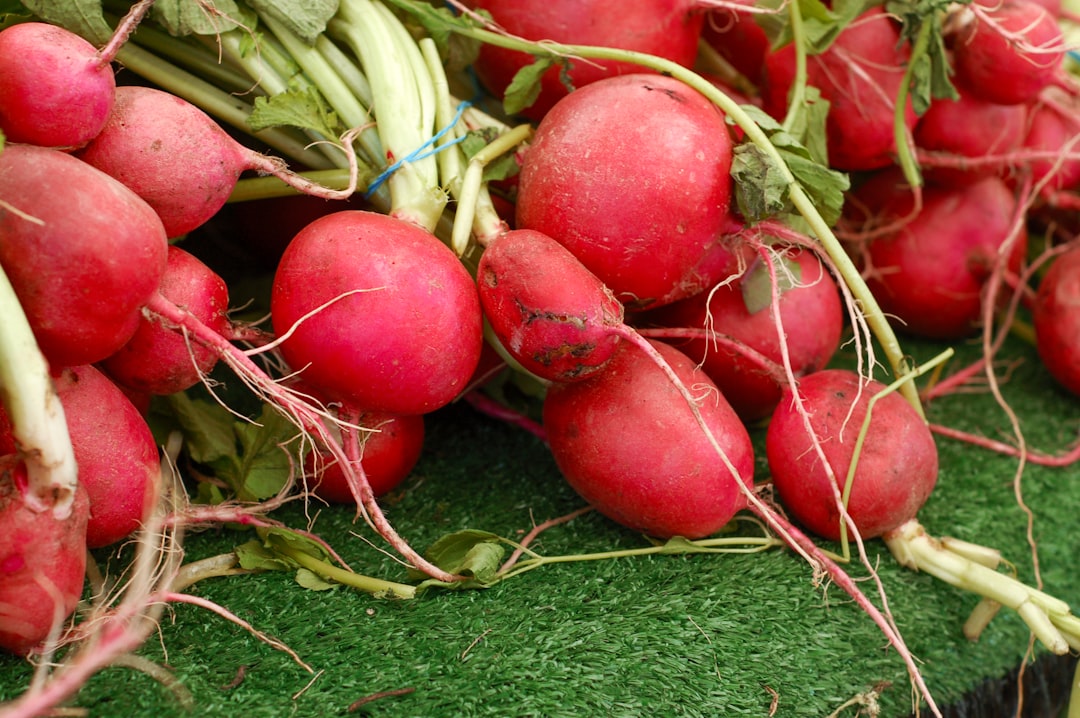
[
  {"x": 503, "y": 167},
  {"x": 756, "y": 284},
  {"x": 207, "y": 427},
  {"x": 186, "y": 17},
  {"x": 921, "y": 27},
  {"x": 821, "y": 24},
  {"x": 83, "y": 17},
  {"x": 761, "y": 190},
  {"x": 469, "y": 552},
  {"x": 302, "y": 108},
  {"x": 312, "y": 581},
  {"x": 525, "y": 87},
  {"x": 307, "y": 19},
  {"x": 253, "y": 555}
]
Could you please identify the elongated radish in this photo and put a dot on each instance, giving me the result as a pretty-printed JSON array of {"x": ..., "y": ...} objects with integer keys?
[
  {"x": 83, "y": 252},
  {"x": 160, "y": 360},
  {"x": 173, "y": 155},
  {"x": 627, "y": 442},
  {"x": 631, "y": 174},
  {"x": 377, "y": 313},
  {"x": 665, "y": 28}
]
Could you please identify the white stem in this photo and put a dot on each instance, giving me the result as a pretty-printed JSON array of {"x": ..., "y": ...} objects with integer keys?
[{"x": 34, "y": 410}]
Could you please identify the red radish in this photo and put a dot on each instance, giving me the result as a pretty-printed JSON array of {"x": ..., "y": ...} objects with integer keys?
[
  {"x": 173, "y": 155},
  {"x": 739, "y": 39},
  {"x": 631, "y": 174},
  {"x": 664, "y": 28},
  {"x": 1056, "y": 317},
  {"x": 388, "y": 454},
  {"x": 1008, "y": 53},
  {"x": 42, "y": 563},
  {"x": 379, "y": 313},
  {"x": 159, "y": 359},
  {"x": 811, "y": 313},
  {"x": 930, "y": 269},
  {"x": 560, "y": 330},
  {"x": 83, "y": 252},
  {"x": 118, "y": 459},
  {"x": 860, "y": 75},
  {"x": 897, "y": 465},
  {"x": 626, "y": 440},
  {"x": 969, "y": 127},
  {"x": 55, "y": 88},
  {"x": 1054, "y": 128}
]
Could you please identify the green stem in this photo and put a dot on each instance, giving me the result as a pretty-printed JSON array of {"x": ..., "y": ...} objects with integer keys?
[
  {"x": 376, "y": 586},
  {"x": 34, "y": 411},
  {"x": 872, "y": 312},
  {"x": 798, "y": 85},
  {"x": 904, "y": 155}
]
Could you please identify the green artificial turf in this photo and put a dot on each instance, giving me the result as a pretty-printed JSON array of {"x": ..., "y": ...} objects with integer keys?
[{"x": 666, "y": 635}]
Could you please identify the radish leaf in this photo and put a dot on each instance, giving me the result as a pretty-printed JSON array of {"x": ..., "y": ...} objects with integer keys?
[
  {"x": 306, "y": 19},
  {"x": 83, "y": 17}
]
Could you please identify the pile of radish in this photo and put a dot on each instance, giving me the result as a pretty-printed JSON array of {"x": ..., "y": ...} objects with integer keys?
[{"x": 706, "y": 200}]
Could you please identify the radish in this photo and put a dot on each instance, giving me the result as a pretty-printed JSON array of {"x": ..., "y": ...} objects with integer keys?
[
  {"x": 388, "y": 453},
  {"x": 376, "y": 313},
  {"x": 928, "y": 271},
  {"x": 1009, "y": 52},
  {"x": 118, "y": 460},
  {"x": 968, "y": 127},
  {"x": 897, "y": 462},
  {"x": 173, "y": 155},
  {"x": 860, "y": 75},
  {"x": 626, "y": 440},
  {"x": 83, "y": 252},
  {"x": 56, "y": 90},
  {"x": 664, "y": 28},
  {"x": 42, "y": 562},
  {"x": 1054, "y": 127},
  {"x": 812, "y": 316},
  {"x": 561, "y": 330},
  {"x": 1056, "y": 317},
  {"x": 631, "y": 174},
  {"x": 159, "y": 360}
]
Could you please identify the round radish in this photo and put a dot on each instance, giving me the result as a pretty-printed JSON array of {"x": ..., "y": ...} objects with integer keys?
[
  {"x": 1008, "y": 53},
  {"x": 1056, "y": 317},
  {"x": 83, "y": 252},
  {"x": 664, "y": 28},
  {"x": 42, "y": 562},
  {"x": 929, "y": 271},
  {"x": 631, "y": 174},
  {"x": 627, "y": 442},
  {"x": 173, "y": 155},
  {"x": 55, "y": 88},
  {"x": 897, "y": 465},
  {"x": 812, "y": 316},
  {"x": 559, "y": 330},
  {"x": 160, "y": 360},
  {"x": 388, "y": 454},
  {"x": 401, "y": 329}
]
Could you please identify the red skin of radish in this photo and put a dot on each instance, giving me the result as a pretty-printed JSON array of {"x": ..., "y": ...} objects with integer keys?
[
  {"x": 969, "y": 127},
  {"x": 930, "y": 272},
  {"x": 631, "y": 174},
  {"x": 813, "y": 319},
  {"x": 1053, "y": 128},
  {"x": 629, "y": 445},
  {"x": 55, "y": 91},
  {"x": 37, "y": 552},
  {"x": 157, "y": 359},
  {"x": 554, "y": 316},
  {"x": 406, "y": 343},
  {"x": 897, "y": 465},
  {"x": 665, "y": 28},
  {"x": 860, "y": 122},
  {"x": 1056, "y": 317},
  {"x": 118, "y": 459},
  {"x": 997, "y": 68},
  {"x": 171, "y": 153},
  {"x": 388, "y": 456},
  {"x": 82, "y": 276}
]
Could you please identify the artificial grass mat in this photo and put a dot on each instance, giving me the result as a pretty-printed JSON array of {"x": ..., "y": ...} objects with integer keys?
[{"x": 665, "y": 635}]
